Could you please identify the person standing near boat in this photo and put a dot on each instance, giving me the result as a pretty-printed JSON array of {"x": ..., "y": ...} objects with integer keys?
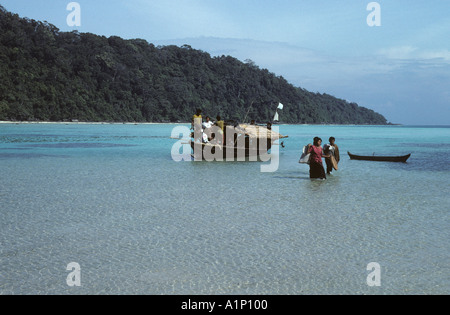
[
  {"x": 316, "y": 169},
  {"x": 208, "y": 123},
  {"x": 207, "y": 127},
  {"x": 332, "y": 150},
  {"x": 221, "y": 124},
  {"x": 197, "y": 121}
]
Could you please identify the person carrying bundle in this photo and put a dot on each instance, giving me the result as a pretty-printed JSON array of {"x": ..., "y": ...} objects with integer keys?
[{"x": 332, "y": 150}]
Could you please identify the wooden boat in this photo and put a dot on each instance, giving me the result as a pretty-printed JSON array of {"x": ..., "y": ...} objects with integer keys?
[
  {"x": 224, "y": 152},
  {"x": 401, "y": 159},
  {"x": 247, "y": 144}
]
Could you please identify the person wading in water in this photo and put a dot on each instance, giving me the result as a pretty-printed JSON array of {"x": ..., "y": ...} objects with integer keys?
[{"x": 316, "y": 169}]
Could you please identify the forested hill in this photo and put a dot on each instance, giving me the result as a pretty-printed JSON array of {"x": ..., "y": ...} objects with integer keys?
[{"x": 48, "y": 75}]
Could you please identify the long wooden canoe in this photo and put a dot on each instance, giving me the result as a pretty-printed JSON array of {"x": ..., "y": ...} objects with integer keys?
[{"x": 401, "y": 159}]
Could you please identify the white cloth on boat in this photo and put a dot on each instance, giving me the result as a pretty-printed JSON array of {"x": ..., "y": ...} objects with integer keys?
[
  {"x": 205, "y": 138},
  {"x": 207, "y": 124}
]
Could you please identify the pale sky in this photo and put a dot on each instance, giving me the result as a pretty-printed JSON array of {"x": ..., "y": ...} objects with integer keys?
[{"x": 400, "y": 68}]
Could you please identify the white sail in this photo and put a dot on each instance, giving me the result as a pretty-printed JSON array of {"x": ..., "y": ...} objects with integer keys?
[
  {"x": 276, "y": 118},
  {"x": 280, "y": 106}
]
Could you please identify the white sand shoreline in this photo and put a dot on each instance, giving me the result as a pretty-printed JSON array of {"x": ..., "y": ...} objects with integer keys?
[{"x": 83, "y": 123}]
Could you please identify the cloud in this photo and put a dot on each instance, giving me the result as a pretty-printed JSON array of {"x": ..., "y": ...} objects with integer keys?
[
  {"x": 415, "y": 54},
  {"x": 401, "y": 52}
]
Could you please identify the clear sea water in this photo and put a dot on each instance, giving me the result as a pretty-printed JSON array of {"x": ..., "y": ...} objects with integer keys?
[{"x": 110, "y": 198}]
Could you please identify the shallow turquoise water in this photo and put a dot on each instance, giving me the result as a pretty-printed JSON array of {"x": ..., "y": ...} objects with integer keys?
[{"x": 111, "y": 198}]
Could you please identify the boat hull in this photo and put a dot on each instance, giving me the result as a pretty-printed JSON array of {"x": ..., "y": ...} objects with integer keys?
[
  {"x": 399, "y": 159},
  {"x": 219, "y": 152}
]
